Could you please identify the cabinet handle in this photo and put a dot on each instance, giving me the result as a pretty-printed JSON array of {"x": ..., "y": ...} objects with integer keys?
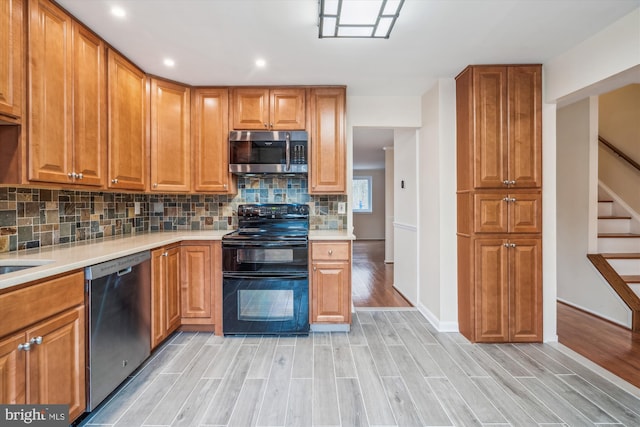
[
  {"x": 24, "y": 347},
  {"x": 36, "y": 340},
  {"x": 71, "y": 175},
  {"x": 79, "y": 176},
  {"x": 509, "y": 245},
  {"x": 114, "y": 181},
  {"x": 512, "y": 182},
  {"x": 505, "y": 199},
  {"x": 314, "y": 268},
  {"x": 506, "y": 182},
  {"x": 165, "y": 254},
  {"x": 509, "y": 199},
  {"x": 155, "y": 185}
]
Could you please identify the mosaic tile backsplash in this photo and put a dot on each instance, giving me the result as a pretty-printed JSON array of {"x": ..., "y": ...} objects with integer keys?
[{"x": 31, "y": 218}]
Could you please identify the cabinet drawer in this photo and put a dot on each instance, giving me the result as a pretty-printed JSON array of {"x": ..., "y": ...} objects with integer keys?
[
  {"x": 330, "y": 251},
  {"x": 28, "y": 305}
]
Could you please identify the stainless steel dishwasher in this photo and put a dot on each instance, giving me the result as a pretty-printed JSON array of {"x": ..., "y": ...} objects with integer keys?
[{"x": 119, "y": 317}]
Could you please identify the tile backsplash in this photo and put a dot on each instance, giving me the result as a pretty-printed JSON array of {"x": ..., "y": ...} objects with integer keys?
[{"x": 31, "y": 218}]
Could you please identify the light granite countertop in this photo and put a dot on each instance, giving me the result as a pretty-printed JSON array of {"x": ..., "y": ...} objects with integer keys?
[{"x": 72, "y": 256}]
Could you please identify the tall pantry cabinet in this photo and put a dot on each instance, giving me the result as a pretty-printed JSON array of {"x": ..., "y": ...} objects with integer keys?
[{"x": 499, "y": 195}]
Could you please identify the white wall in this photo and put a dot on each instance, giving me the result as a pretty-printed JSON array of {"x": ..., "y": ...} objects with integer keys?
[
  {"x": 607, "y": 53},
  {"x": 405, "y": 225},
  {"x": 579, "y": 283},
  {"x": 437, "y": 207},
  {"x": 370, "y": 225}
]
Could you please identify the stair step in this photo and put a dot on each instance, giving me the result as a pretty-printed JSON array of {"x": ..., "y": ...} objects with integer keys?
[
  {"x": 614, "y": 224},
  {"x": 631, "y": 279},
  {"x": 618, "y": 242},
  {"x": 605, "y": 207},
  {"x": 626, "y": 255}
]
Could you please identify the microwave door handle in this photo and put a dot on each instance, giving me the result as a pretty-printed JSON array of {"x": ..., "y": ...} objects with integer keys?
[{"x": 287, "y": 154}]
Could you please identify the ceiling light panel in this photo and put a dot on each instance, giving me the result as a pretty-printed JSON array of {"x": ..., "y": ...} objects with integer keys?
[{"x": 358, "y": 18}]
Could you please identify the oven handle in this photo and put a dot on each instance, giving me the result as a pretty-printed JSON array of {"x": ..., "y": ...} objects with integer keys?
[
  {"x": 288, "y": 151},
  {"x": 256, "y": 276},
  {"x": 264, "y": 244}
]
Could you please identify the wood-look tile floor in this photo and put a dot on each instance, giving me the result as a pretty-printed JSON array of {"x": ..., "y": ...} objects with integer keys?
[{"x": 392, "y": 369}]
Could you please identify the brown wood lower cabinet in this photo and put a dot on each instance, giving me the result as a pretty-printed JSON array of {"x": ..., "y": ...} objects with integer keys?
[
  {"x": 165, "y": 292},
  {"x": 508, "y": 290},
  {"x": 201, "y": 284},
  {"x": 330, "y": 282},
  {"x": 42, "y": 359}
]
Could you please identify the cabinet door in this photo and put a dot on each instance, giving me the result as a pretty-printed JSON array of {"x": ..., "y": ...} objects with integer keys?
[
  {"x": 12, "y": 370},
  {"x": 250, "y": 108},
  {"x": 89, "y": 108},
  {"x": 525, "y": 301},
  {"x": 525, "y": 126},
  {"x": 330, "y": 293},
  {"x": 491, "y": 290},
  {"x": 490, "y": 95},
  {"x": 210, "y": 141},
  {"x": 195, "y": 277},
  {"x": 56, "y": 365},
  {"x": 128, "y": 145},
  {"x": 170, "y": 137},
  {"x": 327, "y": 172},
  {"x": 525, "y": 213},
  {"x": 158, "y": 296},
  {"x": 50, "y": 103},
  {"x": 11, "y": 58},
  {"x": 172, "y": 289},
  {"x": 287, "y": 109},
  {"x": 491, "y": 212}
]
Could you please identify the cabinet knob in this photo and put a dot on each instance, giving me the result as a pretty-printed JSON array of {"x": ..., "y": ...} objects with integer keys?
[
  {"x": 24, "y": 347},
  {"x": 225, "y": 185},
  {"x": 271, "y": 125},
  {"x": 165, "y": 254},
  {"x": 266, "y": 125},
  {"x": 36, "y": 340},
  {"x": 512, "y": 182},
  {"x": 79, "y": 176},
  {"x": 314, "y": 268},
  {"x": 155, "y": 185},
  {"x": 71, "y": 175},
  {"x": 509, "y": 245},
  {"x": 506, "y": 182},
  {"x": 330, "y": 251},
  {"x": 114, "y": 181}
]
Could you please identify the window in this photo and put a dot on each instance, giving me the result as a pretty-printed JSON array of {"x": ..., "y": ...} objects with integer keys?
[{"x": 362, "y": 194}]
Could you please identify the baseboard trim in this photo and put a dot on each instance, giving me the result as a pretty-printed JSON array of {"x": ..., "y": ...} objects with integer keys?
[
  {"x": 585, "y": 310},
  {"x": 337, "y": 327},
  {"x": 440, "y": 326}
]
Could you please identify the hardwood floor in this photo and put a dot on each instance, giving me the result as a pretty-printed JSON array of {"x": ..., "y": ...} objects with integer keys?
[
  {"x": 393, "y": 368},
  {"x": 372, "y": 279},
  {"x": 611, "y": 346}
]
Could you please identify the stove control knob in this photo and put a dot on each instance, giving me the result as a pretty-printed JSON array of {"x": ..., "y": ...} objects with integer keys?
[{"x": 304, "y": 210}]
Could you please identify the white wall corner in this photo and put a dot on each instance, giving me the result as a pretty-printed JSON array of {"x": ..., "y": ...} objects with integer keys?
[{"x": 431, "y": 318}]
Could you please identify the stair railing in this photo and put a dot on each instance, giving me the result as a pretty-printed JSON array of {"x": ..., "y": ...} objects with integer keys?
[{"x": 619, "y": 153}]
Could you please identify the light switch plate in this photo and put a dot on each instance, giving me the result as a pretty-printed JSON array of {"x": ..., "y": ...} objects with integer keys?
[
  {"x": 342, "y": 207},
  {"x": 137, "y": 208}
]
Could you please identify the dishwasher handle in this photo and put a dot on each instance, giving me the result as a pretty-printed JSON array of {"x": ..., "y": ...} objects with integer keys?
[{"x": 121, "y": 266}]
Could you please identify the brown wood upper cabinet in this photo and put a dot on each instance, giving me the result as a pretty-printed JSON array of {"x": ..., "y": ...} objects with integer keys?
[
  {"x": 268, "y": 108},
  {"x": 128, "y": 125},
  {"x": 11, "y": 59},
  {"x": 67, "y": 115},
  {"x": 170, "y": 136},
  {"x": 328, "y": 170},
  {"x": 508, "y": 131},
  {"x": 210, "y": 141}
]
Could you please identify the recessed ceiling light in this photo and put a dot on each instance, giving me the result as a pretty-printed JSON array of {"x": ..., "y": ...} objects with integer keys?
[
  {"x": 169, "y": 62},
  {"x": 118, "y": 11},
  {"x": 261, "y": 63}
]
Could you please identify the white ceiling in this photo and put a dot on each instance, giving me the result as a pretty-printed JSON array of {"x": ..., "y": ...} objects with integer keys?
[{"x": 216, "y": 42}]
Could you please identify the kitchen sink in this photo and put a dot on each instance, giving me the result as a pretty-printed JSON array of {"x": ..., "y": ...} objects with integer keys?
[{"x": 10, "y": 267}]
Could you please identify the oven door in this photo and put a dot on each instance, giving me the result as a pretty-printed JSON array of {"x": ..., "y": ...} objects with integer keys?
[
  {"x": 265, "y": 304},
  {"x": 265, "y": 257}
]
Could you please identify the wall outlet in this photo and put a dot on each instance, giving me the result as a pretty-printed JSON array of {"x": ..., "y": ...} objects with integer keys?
[
  {"x": 342, "y": 207},
  {"x": 137, "y": 208}
]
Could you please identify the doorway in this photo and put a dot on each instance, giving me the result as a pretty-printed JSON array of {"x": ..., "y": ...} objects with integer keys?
[{"x": 372, "y": 204}]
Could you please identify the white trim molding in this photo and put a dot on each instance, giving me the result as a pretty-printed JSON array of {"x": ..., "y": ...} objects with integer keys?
[
  {"x": 408, "y": 227},
  {"x": 440, "y": 326}
]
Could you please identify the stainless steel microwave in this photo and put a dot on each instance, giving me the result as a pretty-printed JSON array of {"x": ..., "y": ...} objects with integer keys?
[{"x": 264, "y": 152}]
